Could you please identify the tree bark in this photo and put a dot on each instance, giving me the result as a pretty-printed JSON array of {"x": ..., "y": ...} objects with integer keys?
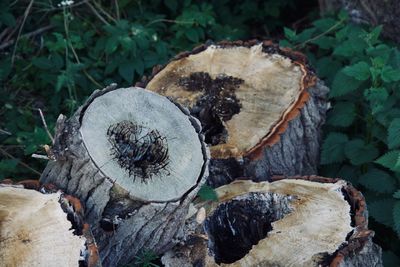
[
  {"x": 292, "y": 221},
  {"x": 261, "y": 107},
  {"x": 41, "y": 226},
  {"x": 136, "y": 160},
  {"x": 386, "y": 13}
]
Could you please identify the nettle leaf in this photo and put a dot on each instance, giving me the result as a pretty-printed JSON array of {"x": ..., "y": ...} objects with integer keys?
[
  {"x": 382, "y": 210},
  {"x": 394, "y": 134},
  {"x": 324, "y": 24},
  {"x": 342, "y": 114},
  {"x": 333, "y": 148},
  {"x": 343, "y": 84},
  {"x": 396, "y": 216},
  {"x": 127, "y": 71},
  {"x": 378, "y": 181},
  {"x": 325, "y": 42},
  {"x": 358, "y": 152},
  {"x": 390, "y": 160},
  {"x": 360, "y": 71},
  {"x": 376, "y": 94},
  {"x": 289, "y": 34},
  {"x": 397, "y": 194},
  {"x": 206, "y": 192},
  {"x": 390, "y": 74}
]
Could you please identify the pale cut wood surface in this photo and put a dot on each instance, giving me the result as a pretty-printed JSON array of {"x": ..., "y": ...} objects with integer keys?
[
  {"x": 35, "y": 231},
  {"x": 127, "y": 219}
]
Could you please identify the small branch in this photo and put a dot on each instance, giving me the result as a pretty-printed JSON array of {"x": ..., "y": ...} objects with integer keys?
[
  {"x": 117, "y": 9},
  {"x": 97, "y": 13},
  {"x": 27, "y": 35},
  {"x": 28, "y": 9},
  {"x": 38, "y": 156},
  {"x": 170, "y": 21},
  {"x": 45, "y": 126},
  {"x": 5, "y": 132},
  {"x": 19, "y": 161}
]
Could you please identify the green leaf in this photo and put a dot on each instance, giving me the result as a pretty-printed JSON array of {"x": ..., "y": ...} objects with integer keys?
[
  {"x": 396, "y": 217},
  {"x": 342, "y": 114},
  {"x": 382, "y": 211},
  {"x": 289, "y": 34},
  {"x": 390, "y": 74},
  {"x": 397, "y": 194},
  {"x": 325, "y": 42},
  {"x": 333, "y": 148},
  {"x": 171, "y": 4},
  {"x": 7, "y": 166},
  {"x": 359, "y": 153},
  {"x": 378, "y": 181},
  {"x": 126, "y": 70},
  {"x": 390, "y": 160},
  {"x": 206, "y": 192},
  {"x": 343, "y": 84},
  {"x": 360, "y": 71},
  {"x": 42, "y": 63},
  {"x": 192, "y": 35},
  {"x": 394, "y": 134},
  {"x": 324, "y": 24}
]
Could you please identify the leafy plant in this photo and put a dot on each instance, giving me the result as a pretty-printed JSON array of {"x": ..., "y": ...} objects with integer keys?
[{"x": 362, "y": 133}]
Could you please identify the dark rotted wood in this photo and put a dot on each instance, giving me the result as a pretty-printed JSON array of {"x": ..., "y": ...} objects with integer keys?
[
  {"x": 249, "y": 216},
  {"x": 26, "y": 215},
  {"x": 230, "y": 88},
  {"x": 135, "y": 160}
]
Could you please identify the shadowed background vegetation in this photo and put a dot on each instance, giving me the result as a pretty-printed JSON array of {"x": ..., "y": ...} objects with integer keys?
[{"x": 54, "y": 54}]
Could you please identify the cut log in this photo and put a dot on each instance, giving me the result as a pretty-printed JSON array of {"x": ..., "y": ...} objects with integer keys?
[
  {"x": 136, "y": 160},
  {"x": 43, "y": 227},
  {"x": 261, "y": 107},
  {"x": 373, "y": 12},
  {"x": 292, "y": 221}
]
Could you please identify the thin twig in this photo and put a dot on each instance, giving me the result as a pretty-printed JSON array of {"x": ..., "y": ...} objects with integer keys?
[
  {"x": 117, "y": 9},
  {"x": 27, "y": 10},
  {"x": 45, "y": 126},
  {"x": 19, "y": 161},
  {"x": 97, "y": 13},
  {"x": 5, "y": 132},
  {"x": 170, "y": 21},
  {"x": 27, "y": 35},
  {"x": 38, "y": 156},
  {"x": 104, "y": 12}
]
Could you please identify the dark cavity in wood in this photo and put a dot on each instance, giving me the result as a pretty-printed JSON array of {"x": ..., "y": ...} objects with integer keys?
[
  {"x": 237, "y": 225},
  {"x": 137, "y": 149},
  {"x": 218, "y": 103}
]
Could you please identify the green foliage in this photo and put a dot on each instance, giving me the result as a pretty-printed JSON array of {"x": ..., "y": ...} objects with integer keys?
[
  {"x": 145, "y": 259},
  {"x": 82, "y": 47},
  {"x": 362, "y": 133},
  {"x": 206, "y": 192}
]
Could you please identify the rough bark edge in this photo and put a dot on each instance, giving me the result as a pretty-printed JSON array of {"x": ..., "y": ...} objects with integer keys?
[
  {"x": 308, "y": 80},
  {"x": 73, "y": 208},
  {"x": 70, "y": 155},
  {"x": 360, "y": 240}
]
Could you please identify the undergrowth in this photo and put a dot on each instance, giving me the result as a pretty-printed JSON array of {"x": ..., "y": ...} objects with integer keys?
[{"x": 54, "y": 54}]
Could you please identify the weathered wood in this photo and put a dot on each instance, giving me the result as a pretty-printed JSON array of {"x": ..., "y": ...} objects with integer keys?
[
  {"x": 136, "y": 160},
  {"x": 292, "y": 221},
  {"x": 373, "y": 12},
  {"x": 41, "y": 226},
  {"x": 261, "y": 107}
]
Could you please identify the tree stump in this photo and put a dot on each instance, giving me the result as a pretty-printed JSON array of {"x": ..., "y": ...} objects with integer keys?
[
  {"x": 295, "y": 221},
  {"x": 43, "y": 227},
  {"x": 261, "y": 107},
  {"x": 136, "y": 160},
  {"x": 386, "y": 13}
]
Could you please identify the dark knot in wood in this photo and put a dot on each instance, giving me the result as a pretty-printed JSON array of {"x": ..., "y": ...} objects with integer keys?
[
  {"x": 218, "y": 103},
  {"x": 139, "y": 150}
]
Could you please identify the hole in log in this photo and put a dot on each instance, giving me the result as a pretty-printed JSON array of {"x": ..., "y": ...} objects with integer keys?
[
  {"x": 237, "y": 225},
  {"x": 217, "y": 104},
  {"x": 139, "y": 150}
]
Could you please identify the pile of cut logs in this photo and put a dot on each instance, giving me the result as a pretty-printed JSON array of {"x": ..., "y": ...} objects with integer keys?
[{"x": 242, "y": 117}]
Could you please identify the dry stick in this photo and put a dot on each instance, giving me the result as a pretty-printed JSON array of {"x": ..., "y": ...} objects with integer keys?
[
  {"x": 45, "y": 126},
  {"x": 4, "y": 132},
  {"x": 117, "y": 9},
  {"x": 28, "y": 9},
  {"x": 97, "y": 13},
  {"x": 20, "y": 162},
  {"x": 39, "y": 156},
  {"x": 104, "y": 12}
]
